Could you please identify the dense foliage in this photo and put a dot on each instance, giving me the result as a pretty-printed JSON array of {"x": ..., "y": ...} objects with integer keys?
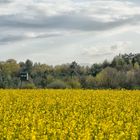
[
  {"x": 69, "y": 115},
  {"x": 122, "y": 72}
]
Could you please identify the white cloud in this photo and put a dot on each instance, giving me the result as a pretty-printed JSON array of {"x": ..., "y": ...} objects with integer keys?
[
  {"x": 101, "y": 51},
  {"x": 73, "y": 22},
  {"x": 99, "y": 8}
]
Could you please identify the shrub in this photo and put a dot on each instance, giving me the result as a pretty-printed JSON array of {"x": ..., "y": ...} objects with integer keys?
[
  {"x": 75, "y": 84},
  {"x": 28, "y": 86},
  {"x": 58, "y": 84}
]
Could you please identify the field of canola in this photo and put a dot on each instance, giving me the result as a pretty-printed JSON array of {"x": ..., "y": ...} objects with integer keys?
[{"x": 69, "y": 115}]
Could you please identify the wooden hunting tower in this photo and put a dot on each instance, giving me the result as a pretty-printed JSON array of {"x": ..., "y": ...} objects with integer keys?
[{"x": 24, "y": 76}]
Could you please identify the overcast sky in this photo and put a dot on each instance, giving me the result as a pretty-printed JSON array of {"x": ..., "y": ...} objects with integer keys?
[{"x": 62, "y": 31}]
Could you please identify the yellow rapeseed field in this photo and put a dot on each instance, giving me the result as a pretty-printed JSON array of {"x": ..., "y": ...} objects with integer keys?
[{"x": 69, "y": 115}]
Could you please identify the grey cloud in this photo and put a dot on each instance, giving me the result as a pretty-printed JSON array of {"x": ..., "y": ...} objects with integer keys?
[
  {"x": 79, "y": 22},
  {"x": 7, "y": 39},
  {"x": 65, "y": 22},
  {"x": 5, "y": 1},
  {"x": 13, "y": 38},
  {"x": 60, "y": 23}
]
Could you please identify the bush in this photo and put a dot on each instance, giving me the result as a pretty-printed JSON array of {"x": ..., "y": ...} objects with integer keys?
[
  {"x": 28, "y": 86},
  {"x": 107, "y": 78},
  {"x": 90, "y": 82},
  {"x": 75, "y": 84},
  {"x": 136, "y": 87},
  {"x": 58, "y": 84}
]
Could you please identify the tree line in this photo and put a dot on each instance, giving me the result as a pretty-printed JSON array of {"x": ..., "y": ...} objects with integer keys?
[{"x": 122, "y": 72}]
